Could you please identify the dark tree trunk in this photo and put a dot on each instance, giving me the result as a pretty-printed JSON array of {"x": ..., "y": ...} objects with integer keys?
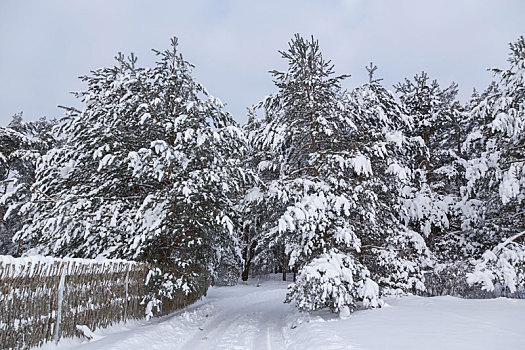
[
  {"x": 246, "y": 267},
  {"x": 459, "y": 142},
  {"x": 248, "y": 260},
  {"x": 19, "y": 249}
]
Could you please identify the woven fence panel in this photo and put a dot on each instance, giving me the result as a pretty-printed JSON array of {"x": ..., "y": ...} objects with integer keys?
[{"x": 92, "y": 293}]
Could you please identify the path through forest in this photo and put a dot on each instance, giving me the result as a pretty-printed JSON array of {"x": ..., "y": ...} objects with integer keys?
[{"x": 253, "y": 316}]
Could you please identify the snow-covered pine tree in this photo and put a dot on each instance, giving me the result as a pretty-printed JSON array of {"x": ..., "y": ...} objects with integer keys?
[
  {"x": 311, "y": 195},
  {"x": 430, "y": 206},
  {"x": 494, "y": 196},
  {"x": 395, "y": 254},
  {"x": 191, "y": 219},
  {"x": 145, "y": 173},
  {"x": 21, "y": 144},
  {"x": 85, "y": 197},
  {"x": 437, "y": 119},
  {"x": 251, "y": 213}
]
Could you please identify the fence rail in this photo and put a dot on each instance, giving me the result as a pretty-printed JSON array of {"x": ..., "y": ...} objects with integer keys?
[{"x": 44, "y": 299}]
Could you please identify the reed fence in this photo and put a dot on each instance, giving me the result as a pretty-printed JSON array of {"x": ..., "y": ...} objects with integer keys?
[{"x": 45, "y": 299}]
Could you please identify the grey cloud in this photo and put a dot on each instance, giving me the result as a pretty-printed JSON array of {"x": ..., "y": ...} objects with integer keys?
[{"x": 45, "y": 46}]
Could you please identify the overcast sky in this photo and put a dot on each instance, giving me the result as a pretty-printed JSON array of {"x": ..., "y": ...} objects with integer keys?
[{"x": 46, "y": 45}]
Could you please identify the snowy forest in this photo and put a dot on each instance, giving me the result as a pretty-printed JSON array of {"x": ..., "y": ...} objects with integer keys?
[{"x": 358, "y": 194}]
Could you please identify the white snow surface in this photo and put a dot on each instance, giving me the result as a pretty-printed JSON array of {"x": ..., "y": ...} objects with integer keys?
[{"x": 249, "y": 316}]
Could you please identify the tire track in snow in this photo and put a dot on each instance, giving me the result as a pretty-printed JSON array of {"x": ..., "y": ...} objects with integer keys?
[
  {"x": 212, "y": 333},
  {"x": 268, "y": 339},
  {"x": 252, "y": 321}
]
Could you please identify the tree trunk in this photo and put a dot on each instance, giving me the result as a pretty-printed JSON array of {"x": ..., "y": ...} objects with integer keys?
[
  {"x": 248, "y": 255},
  {"x": 5, "y": 191},
  {"x": 19, "y": 250},
  {"x": 459, "y": 142},
  {"x": 245, "y": 272},
  {"x": 246, "y": 267},
  {"x": 312, "y": 138}
]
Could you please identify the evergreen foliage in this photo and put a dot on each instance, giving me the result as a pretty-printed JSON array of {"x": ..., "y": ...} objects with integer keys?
[
  {"x": 21, "y": 144},
  {"x": 333, "y": 164},
  {"x": 145, "y": 173},
  {"x": 494, "y": 196},
  {"x": 360, "y": 193}
]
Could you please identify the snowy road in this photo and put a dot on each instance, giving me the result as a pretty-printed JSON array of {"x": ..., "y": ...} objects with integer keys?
[
  {"x": 251, "y": 317},
  {"x": 242, "y": 317},
  {"x": 252, "y": 320}
]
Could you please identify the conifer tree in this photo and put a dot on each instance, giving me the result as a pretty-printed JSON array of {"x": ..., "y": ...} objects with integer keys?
[
  {"x": 395, "y": 254},
  {"x": 21, "y": 145},
  {"x": 431, "y": 205},
  {"x": 494, "y": 196},
  {"x": 146, "y": 172},
  {"x": 251, "y": 212},
  {"x": 438, "y": 120},
  {"x": 335, "y": 166},
  {"x": 312, "y": 192}
]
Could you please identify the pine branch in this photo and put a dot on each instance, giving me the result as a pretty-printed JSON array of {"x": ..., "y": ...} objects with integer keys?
[
  {"x": 70, "y": 109},
  {"x": 300, "y": 170},
  {"x": 380, "y": 248},
  {"x": 499, "y": 248},
  {"x": 45, "y": 195}
]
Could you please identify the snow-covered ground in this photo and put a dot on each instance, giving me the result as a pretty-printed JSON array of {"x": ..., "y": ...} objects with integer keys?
[{"x": 251, "y": 317}]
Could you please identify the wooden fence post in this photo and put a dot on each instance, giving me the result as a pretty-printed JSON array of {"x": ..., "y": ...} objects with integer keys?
[
  {"x": 60, "y": 298},
  {"x": 126, "y": 299}
]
